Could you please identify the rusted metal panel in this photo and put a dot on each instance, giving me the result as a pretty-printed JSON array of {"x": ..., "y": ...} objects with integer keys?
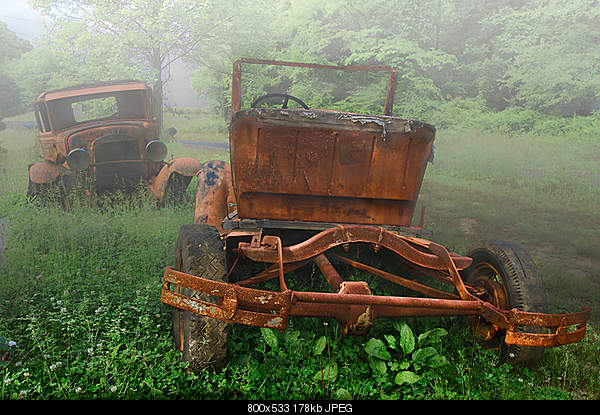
[
  {"x": 339, "y": 180},
  {"x": 341, "y": 235},
  {"x": 185, "y": 166},
  {"x": 101, "y": 88},
  {"x": 45, "y": 172},
  {"x": 289, "y": 166},
  {"x": 354, "y": 307},
  {"x": 214, "y": 195},
  {"x": 117, "y": 143}
]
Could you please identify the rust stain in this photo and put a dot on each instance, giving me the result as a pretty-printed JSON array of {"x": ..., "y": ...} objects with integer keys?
[{"x": 351, "y": 178}]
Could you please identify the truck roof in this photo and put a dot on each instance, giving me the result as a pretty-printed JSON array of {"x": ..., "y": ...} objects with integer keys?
[{"x": 93, "y": 88}]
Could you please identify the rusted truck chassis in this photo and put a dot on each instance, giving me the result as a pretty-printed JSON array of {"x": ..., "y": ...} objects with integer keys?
[
  {"x": 105, "y": 133},
  {"x": 316, "y": 187}
]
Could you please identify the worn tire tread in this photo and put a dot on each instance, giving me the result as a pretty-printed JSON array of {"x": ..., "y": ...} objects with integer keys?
[
  {"x": 200, "y": 252},
  {"x": 525, "y": 290}
]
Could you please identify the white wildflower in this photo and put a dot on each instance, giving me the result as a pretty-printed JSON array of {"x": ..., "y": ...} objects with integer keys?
[
  {"x": 113, "y": 389},
  {"x": 77, "y": 389}
]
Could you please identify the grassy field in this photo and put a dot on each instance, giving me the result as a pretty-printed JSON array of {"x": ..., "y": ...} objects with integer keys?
[{"x": 80, "y": 290}]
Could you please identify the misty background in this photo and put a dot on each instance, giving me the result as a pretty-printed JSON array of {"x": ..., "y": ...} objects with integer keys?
[{"x": 521, "y": 64}]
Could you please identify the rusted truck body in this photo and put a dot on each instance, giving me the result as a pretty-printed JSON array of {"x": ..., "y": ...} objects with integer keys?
[
  {"x": 334, "y": 189},
  {"x": 104, "y": 136}
]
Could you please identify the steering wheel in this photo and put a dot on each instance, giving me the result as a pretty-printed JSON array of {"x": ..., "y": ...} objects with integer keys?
[{"x": 285, "y": 97}]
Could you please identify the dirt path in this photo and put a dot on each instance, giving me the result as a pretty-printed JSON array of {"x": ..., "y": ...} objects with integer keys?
[{"x": 201, "y": 143}]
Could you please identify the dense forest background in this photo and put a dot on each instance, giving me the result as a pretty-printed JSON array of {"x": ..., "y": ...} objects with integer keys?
[{"x": 513, "y": 65}]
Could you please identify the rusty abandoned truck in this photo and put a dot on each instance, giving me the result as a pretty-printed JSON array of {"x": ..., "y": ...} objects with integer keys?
[
  {"x": 310, "y": 186},
  {"x": 105, "y": 137}
]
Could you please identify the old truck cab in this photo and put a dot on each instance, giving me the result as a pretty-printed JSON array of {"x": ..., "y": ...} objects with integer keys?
[{"x": 105, "y": 136}]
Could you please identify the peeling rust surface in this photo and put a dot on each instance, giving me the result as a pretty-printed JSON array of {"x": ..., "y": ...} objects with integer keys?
[
  {"x": 346, "y": 180},
  {"x": 116, "y": 142},
  {"x": 185, "y": 166},
  {"x": 305, "y": 169},
  {"x": 45, "y": 172},
  {"x": 233, "y": 304},
  {"x": 353, "y": 305},
  {"x": 341, "y": 235},
  {"x": 214, "y": 195}
]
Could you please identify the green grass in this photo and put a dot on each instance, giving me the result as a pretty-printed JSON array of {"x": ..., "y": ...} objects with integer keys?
[
  {"x": 477, "y": 190},
  {"x": 80, "y": 291},
  {"x": 196, "y": 125}
]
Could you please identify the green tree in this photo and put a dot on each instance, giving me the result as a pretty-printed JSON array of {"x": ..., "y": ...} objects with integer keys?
[
  {"x": 249, "y": 31},
  {"x": 547, "y": 55},
  {"x": 11, "y": 48},
  {"x": 151, "y": 34},
  {"x": 327, "y": 32},
  {"x": 63, "y": 58}
]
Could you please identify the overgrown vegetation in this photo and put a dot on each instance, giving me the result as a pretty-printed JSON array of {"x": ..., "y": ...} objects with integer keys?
[{"x": 81, "y": 316}]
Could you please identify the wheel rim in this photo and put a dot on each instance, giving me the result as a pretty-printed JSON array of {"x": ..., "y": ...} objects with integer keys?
[{"x": 489, "y": 286}]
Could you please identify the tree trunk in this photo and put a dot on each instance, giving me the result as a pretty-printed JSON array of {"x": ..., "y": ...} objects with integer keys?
[
  {"x": 157, "y": 95},
  {"x": 157, "y": 88}
]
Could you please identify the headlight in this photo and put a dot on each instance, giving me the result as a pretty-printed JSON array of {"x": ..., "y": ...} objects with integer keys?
[
  {"x": 78, "y": 159},
  {"x": 156, "y": 151}
]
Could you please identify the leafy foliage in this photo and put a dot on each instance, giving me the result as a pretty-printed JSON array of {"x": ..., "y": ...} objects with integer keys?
[
  {"x": 11, "y": 48},
  {"x": 444, "y": 50}
]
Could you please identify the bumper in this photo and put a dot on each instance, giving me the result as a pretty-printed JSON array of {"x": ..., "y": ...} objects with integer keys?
[
  {"x": 261, "y": 308},
  {"x": 353, "y": 305}
]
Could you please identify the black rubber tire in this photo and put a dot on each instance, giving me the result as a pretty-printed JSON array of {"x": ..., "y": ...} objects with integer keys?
[
  {"x": 175, "y": 192},
  {"x": 524, "y": 288},
  {"x": 201, "y": 340}
]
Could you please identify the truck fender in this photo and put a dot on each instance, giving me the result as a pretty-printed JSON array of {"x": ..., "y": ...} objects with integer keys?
[
  {"x": 45, "y": 172},
  {"x": 185, "y": 166},
  {"x": 214, "y": 197}
]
